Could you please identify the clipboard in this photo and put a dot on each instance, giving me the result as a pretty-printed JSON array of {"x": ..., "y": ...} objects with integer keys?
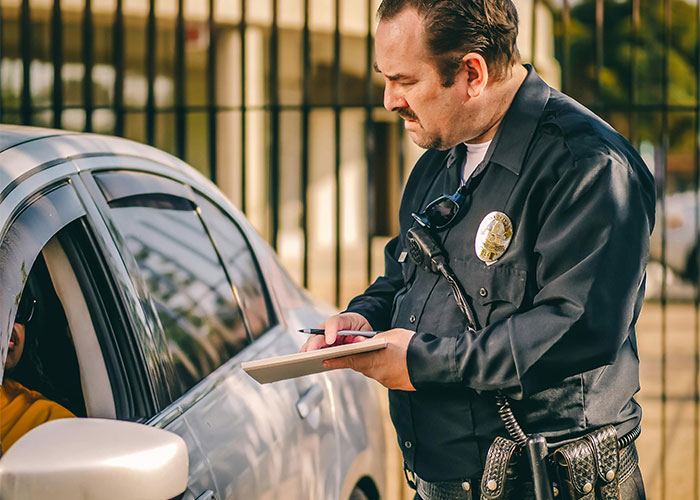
[{"x": 305, "y": 363}]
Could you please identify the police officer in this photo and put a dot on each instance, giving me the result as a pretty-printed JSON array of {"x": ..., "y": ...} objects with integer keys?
[{"x": 543, "y": 213}]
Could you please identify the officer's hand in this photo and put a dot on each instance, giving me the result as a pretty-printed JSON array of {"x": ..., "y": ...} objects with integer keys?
[
  {"x": 342, "y": 321},
  {"x": 386, "y": 366}
]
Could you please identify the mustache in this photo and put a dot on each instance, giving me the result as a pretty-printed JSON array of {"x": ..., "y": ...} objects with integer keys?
[{"x": 407, "y": 114}]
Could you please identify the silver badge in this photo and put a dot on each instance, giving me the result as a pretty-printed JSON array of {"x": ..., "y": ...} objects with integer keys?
[{"x": 493, "y": 237}]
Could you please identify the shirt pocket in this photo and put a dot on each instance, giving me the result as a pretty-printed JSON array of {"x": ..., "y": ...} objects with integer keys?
[
  {"x": 408, "y": 269},
  {"x": 495, "y": 291}
]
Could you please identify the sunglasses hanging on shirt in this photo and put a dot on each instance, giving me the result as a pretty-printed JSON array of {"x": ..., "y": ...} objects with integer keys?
[{"x": 442, "y": 212}]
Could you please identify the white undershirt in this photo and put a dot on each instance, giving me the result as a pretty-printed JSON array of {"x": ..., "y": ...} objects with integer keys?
[{"x": 475, "y": 154}]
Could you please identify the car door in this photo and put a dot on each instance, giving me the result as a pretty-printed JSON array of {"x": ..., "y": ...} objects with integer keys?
[
  {"x": 95, "y": 349},
  {"x": 256, "y": 440},
  {"x": 312, "y": 466}
]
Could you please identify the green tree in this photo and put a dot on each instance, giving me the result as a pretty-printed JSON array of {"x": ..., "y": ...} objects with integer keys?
[{"x": 631, "y": 77}]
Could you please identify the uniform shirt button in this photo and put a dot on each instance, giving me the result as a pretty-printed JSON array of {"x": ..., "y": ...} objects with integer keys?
[
  {"x": 483, "y": 291},
  {"x": 408, "y": 444},
  {"x": 412, "y": 318},
  {"x": 466, "y": 486}
]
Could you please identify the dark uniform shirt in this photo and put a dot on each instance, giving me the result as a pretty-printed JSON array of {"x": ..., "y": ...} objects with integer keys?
[{"x": 556, "y": 312}]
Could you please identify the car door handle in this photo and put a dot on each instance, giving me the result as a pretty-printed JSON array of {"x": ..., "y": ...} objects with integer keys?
[
  {"x": 207, "y": 495},
  {"x": 309, "y": 400}
]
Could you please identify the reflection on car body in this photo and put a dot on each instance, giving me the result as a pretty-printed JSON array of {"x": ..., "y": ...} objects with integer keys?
[{"x": 156, "y": 290}]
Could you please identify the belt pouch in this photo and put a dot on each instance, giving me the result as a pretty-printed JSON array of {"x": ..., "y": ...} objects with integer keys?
[
  {"x": 606, "y": 452},
  {"x": 500, "y": 471},
  {"x": 578, "y": 470}
]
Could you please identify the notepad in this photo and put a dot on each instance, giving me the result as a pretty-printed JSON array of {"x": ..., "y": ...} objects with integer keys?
[{"x": 305, "y": 363}]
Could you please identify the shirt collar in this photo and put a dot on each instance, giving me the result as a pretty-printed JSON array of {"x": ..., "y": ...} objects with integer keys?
[{"x": 520, "y": 122}]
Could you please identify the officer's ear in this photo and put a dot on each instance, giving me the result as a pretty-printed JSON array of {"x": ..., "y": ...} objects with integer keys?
[{"x": 477, "y": 73}]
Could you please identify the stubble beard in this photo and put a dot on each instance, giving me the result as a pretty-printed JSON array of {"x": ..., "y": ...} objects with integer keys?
[{"x": 427, "y": 142}]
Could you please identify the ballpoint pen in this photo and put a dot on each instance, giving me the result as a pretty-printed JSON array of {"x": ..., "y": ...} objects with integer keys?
[{"x": 356, "y": 333}]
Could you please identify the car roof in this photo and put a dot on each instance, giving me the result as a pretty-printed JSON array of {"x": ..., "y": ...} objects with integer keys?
[
  {"x": 14, "y": 135},
  {"x": 26, "y": 150}
]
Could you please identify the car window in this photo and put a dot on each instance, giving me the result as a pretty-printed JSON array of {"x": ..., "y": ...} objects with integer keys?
[
  {"x": 36, "y": 351},
  {"x": 198, "y": 311},
  {"x": 241, "y": 266},
  {"x": 21, "y": 243}
]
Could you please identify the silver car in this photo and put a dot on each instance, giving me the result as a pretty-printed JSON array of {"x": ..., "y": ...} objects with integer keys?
[{"x": 152, "y": 289}]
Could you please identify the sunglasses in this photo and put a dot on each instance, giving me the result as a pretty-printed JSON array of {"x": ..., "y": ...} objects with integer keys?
[
  {"x": 25, "y": 310},
  {"x": 441, "y": 212}
]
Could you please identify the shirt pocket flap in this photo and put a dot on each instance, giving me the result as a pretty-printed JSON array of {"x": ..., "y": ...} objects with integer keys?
[{"x": 488, "y": 284}]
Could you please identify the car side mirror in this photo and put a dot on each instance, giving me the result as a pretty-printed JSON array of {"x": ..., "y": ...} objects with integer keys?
[{"x": 94, "y": 459}]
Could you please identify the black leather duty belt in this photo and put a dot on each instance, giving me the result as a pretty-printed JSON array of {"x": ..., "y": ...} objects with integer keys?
[{"x": 469, "y": 489}]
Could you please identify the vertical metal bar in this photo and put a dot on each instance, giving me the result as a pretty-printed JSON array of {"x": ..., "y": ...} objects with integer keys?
[
  {"x": 118, "y": 63},
  {"x": 306, "y": 49},
  {"x": 274, "y": 127},
  {"x": 88, "y": 63},
  {"x": 369, "y": 139},
  {"x": 566, "y": 45},
  {"x": 180, "y": 83},
  {"x": 242, "y": 27},
  {"x": 337, "y": 125},
  {"x": 151, "y": 74},
  {"x": 665, "y": 150},
  {"x": 633, "y": 72},
  {"x": 57, "y": 58},
  {"x": 533, "y": 38},
  {"x": 599, "y": 55},
  {"x": 26, "y": 51},
  {"x": 211, "y": 92}
]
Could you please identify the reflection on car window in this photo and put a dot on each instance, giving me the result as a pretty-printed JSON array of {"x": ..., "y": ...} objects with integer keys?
[
  {"x": 240, "y": 264},
  {"x": 199, "y": 313}
]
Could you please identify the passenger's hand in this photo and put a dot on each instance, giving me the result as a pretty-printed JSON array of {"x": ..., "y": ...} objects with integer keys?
[
  {"x": 386, "y": 366},
  {"x": 342, "y": 321}
]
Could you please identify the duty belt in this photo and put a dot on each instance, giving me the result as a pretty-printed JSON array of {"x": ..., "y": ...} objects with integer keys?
[{"x": 463, "y": 490}]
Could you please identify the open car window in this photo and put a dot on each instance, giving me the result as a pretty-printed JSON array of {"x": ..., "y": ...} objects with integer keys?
[
  {"x": 43, "y": 376},
  {"x": 22, "y": 241}
]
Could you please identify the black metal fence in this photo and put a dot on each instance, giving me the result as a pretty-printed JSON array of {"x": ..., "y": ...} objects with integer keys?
[{"x": 194, "y": 79}]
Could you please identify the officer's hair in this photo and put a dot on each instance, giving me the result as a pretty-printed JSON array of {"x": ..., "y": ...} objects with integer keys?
[{"x": 454, "y": 28}]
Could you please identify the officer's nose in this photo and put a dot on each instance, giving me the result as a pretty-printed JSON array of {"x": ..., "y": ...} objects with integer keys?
[{"x": 393, "y": 99}]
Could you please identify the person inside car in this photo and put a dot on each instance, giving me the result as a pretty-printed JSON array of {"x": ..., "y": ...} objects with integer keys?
[{"x": 22, "y": 409}]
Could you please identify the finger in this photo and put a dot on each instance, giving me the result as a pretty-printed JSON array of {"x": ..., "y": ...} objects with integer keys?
[
  {"x": 358, "y": 362},
  {"x": 332, "y": 325},
  {"x": 313, "y": 343},
  {"x": 333, "y": 364}
]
